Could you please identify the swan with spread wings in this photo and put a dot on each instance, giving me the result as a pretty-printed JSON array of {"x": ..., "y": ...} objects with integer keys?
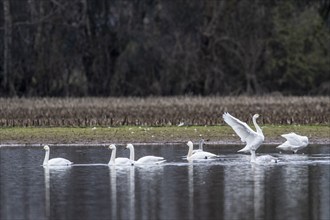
[{"x": 253, "y": 139}]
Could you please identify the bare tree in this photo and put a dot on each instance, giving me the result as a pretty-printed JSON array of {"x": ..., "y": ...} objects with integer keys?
[{"x": 8, "y": 39}]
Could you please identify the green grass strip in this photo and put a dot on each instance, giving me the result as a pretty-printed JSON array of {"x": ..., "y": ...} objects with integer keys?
[{"x": 136, "y": 134}]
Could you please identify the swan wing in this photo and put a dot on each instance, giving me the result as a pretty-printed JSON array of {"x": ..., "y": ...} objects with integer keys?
[
  {"x": 198, "y": 150},
  {"x": 241, "y": 128},
  {"x": 202, "y": 155},
  {"x": 123, "y": 161},
  {"x": 59, "y": 162},
  {"x": 293, "y": 139},
  {"x": 196, "y": 156},
  {"x": 285, "y": 146},
  {"x": 208, "y": 154},
  {"x": 150, "y": 160}
]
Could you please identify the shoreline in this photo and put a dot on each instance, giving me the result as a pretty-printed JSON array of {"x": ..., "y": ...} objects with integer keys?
[
  {"x": 224, "y": 143},
  {"x": 171, "y": 135}
]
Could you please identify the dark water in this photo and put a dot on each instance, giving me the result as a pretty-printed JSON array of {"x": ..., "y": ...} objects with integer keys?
[{"x": 227, "y": 188}]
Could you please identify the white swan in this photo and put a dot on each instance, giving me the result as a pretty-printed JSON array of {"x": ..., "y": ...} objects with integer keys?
[
  {"x": 294, "y": 142},
  {"x": 200, "y": 146},
  {"x": 198, "y": 155},
  {"x": 145, "y": 159},
  {"x": 121, "y": 161},
  {"x": 55, "y": 161},
  {"x": 253, "y": 139}
]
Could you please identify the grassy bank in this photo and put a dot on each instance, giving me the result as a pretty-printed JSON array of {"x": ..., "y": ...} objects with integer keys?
[
  {"x": 155, "y": 119},
  {"x": 136, "y": 134}
]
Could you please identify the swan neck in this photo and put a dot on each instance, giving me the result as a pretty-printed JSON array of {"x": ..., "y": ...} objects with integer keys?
[
  {"x": 46, "y": 158},
  {"x": 131, "y": 153},
  {"x": 113, "y": 156},
  {"x": 201, "y": 145},
  {"x": 190, "y": 151},
  {"x": 253, "y": 156},
  {"x": 259, "y": 131}
]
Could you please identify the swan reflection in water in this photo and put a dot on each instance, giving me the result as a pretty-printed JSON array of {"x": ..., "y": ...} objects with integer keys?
[
  {"x": 125, "y": 204},
  {"x": 149, "y": 182},
  {"x": 122, "y": 188},
  {"x": 113, "y": 187},
  {"x": 191, "y": 190},
  {"x": 131, "y": 193},
  {"x": 252, "y": 189},
  {"x": 58, "y": 174}
]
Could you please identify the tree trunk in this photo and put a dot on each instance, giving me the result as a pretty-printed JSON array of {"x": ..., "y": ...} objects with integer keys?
[
  {"x": 7, "y": 65},
  {"x": 38, "y": 36}
]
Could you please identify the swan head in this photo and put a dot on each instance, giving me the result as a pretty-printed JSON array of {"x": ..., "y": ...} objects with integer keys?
[
  {"x": 256, "y": 116},
  {"x": 112, "y": 146},
  {"x": 129, "y": 146},
  {"x": 46, "y": 147},
  {"x": 190, "y": 144}
]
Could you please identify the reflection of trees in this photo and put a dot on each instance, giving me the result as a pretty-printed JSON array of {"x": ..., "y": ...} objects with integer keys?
[
  {"x": 251, "y": 188},
  {"x": 282, "y": 192},
  {"x": 321, "y": 203},
  {"x": 238, "y": 192},
  {"x": 294, "y": 192},
  {"x": 149, "y": 182},
  {"x": 21, "y": 184}
]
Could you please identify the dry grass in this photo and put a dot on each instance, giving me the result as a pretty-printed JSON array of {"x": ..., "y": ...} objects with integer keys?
[{"x": 156, "y": 111}]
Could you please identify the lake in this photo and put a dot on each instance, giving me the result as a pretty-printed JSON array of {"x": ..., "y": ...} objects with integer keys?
[{"x": 230, "y": 187}]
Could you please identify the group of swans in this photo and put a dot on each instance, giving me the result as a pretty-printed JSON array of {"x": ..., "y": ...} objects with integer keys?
[
  {"x": 123, "y": 161},
  {"x": 253, "y": 140},
  {"x": 120, "y": 161}
]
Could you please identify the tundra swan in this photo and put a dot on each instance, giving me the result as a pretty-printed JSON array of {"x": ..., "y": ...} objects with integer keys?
[
  {"x": 253, "y": 139},
  {"x": 294, "y": 142},
  {"x": 145, "y": 159},
  {"x": 198, "y": 154},
  {"x": 123, "y": 161},
  {"x": 55, "y": 161}
]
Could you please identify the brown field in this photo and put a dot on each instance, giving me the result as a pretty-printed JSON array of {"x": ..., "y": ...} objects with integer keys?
[{"x": 160, "y": 111}]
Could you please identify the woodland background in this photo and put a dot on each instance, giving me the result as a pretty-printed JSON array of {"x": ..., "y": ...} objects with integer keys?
[{"x": 164, "y": 47}]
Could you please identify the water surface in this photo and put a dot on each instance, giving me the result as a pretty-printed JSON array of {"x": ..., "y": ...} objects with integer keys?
[{"x": 230, "y": 187}]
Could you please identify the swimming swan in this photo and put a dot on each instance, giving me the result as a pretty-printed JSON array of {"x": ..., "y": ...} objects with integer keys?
[
  {"x": 121, "y": 161},
  {"x": 294, "y": 142},
  {"x": 253, "y": 139},
  {"x": 198, "y": 155},
  {"x": 55, "y": 161},
  {"x": 145, "y": 159}
]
